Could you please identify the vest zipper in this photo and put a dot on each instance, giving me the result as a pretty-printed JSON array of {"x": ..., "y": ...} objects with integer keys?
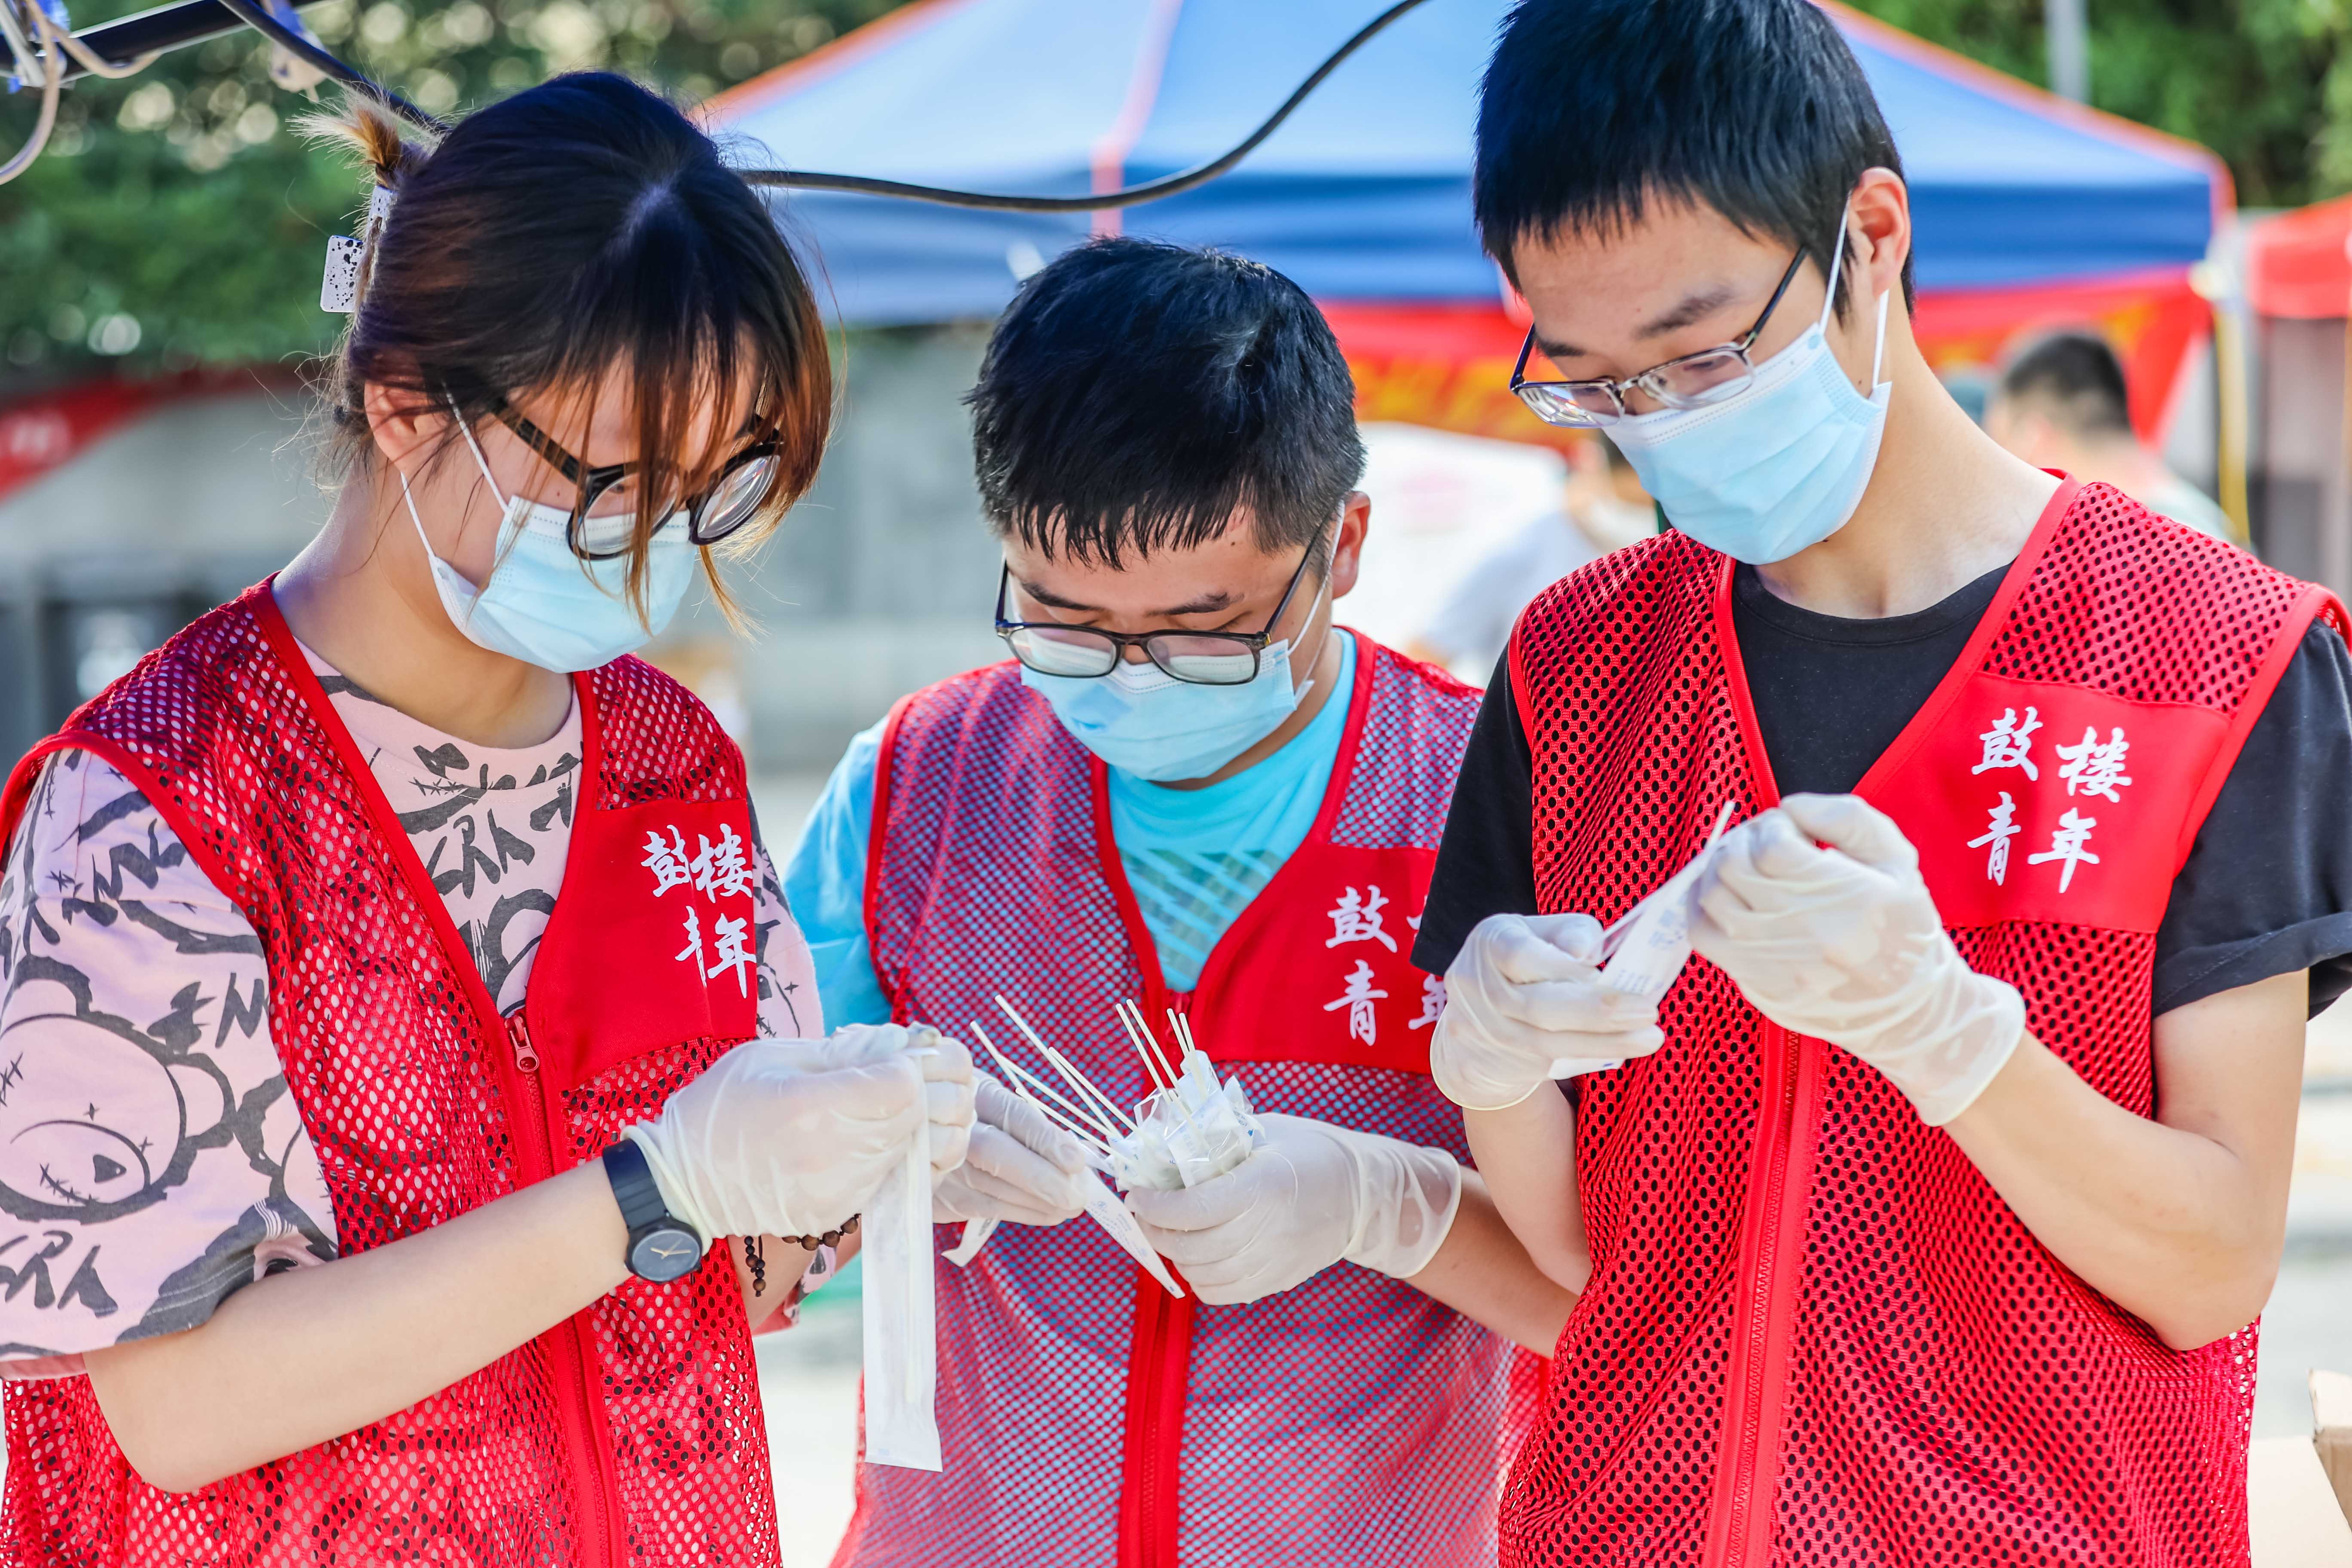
[
  {"x": 1158, "y": 1366},
  {"x": 1742, "y": 1529},
  {"x": 566, "y": 1346}
]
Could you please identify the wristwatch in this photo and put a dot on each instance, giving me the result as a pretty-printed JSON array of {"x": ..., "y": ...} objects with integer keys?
[{"x": 662, "y": 1246}]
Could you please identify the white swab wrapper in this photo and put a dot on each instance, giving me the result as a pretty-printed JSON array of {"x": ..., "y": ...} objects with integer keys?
[
  {"x": 900, "y": 1316},
  {"x": 1644, "y": 951}
]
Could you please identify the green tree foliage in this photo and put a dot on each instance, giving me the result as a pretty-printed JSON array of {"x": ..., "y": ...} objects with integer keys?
[
  {"x": 177, "y": 219},
  {"x": 2267, "y": 84}
]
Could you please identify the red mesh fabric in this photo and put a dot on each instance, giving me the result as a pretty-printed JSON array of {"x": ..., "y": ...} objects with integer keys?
[
  {"x": 1350, "y": 1421},
  {"x": 1627, "y": 784},
  {"x": 633, "y": 1431},
  {"x": 1947, "y": 1393}
]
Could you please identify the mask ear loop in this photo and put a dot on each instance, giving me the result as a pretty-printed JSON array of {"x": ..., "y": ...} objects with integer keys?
[{"x": 1837, "y": 262}]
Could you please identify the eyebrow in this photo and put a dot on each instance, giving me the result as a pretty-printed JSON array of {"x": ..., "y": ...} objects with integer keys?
[
  {"x": 1206, "y": 605},
  {"x": 1694, "y": 307}
]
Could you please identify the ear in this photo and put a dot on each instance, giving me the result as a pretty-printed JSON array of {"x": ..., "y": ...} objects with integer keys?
[
  {"x": 405, "y": 425},
  {"x": 1347, "y": 546},
  {"x": 1878, "y": 229}
]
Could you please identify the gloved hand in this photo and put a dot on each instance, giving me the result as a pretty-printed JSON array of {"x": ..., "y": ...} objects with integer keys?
[
  {"x": 1020, "y": 1168},
  {"x": 1313, "y": 1194},
  {"x": 947, "y": 1078},
  {"x": 1525, "y": 992},
  {"x": 1844, "y": 943},
  {"x": 791, "y": 1137}
]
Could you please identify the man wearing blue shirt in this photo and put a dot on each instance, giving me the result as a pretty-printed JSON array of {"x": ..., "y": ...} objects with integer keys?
[{"x": 1191, "y": 790}]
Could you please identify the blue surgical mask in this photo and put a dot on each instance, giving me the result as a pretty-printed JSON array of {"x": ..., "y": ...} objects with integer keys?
[
  {"x": 545, "y": 606},
  {"x": 1148, "y": 724},
  {"x": 1777, "y": 467}
]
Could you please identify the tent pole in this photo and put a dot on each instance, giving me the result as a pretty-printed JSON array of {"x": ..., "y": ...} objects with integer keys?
[
  {"x": 2231, "y": 404},
  {"x": 2067, "y": 34}
]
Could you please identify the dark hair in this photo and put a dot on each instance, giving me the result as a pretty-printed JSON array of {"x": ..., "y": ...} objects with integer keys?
[
  {"x": 584, "y": 225},
  {"x": 2077, "y": 377},
  {"x": 1592, "y": 110},
  {"x": 1137, "y": 394}
]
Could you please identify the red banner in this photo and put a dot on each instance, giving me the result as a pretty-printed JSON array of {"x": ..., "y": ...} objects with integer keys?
[{"x": 51, "y": 428}]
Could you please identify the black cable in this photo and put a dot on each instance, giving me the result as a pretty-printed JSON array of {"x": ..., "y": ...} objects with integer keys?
[
  {"x": 125, "y": 38},
  {"x": 1132, "y": 195},
  {"x": 200, "y": 14},
  {"x": 310, "y": 54}
]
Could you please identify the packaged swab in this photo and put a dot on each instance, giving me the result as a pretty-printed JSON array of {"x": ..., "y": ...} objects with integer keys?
[
  {"x": 900, "y": 1315},
  {"x": 1643, "y": 952},
  {"x": 1191, "y": 1127}
]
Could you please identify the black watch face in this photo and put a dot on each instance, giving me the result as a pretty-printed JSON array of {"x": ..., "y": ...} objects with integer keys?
[{"x": 670, "y": 1252}]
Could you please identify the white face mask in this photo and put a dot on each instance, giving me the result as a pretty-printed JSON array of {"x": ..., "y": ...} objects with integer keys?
[{"x": 542, "y": 604}]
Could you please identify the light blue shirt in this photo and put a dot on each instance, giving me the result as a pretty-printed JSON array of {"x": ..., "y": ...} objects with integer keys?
[{"x": 1195, "y": 858}]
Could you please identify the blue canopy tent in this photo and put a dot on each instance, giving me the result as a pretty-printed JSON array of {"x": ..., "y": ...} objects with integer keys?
[{"x": 1363, "y": 194}]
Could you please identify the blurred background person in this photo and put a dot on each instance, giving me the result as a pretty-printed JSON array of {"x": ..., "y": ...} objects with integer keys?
[
  {"x": 2062, "y": 403},
  {"x": 1602, "y": 507}
]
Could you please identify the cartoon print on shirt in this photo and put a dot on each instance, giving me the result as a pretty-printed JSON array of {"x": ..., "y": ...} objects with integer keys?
[
  {"x": 126, "y": 977},
  {"x": 107, "y": 1116},
  {"x": 463, "y": 848}
]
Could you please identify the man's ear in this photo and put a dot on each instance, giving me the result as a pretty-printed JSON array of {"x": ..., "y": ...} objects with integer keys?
[
  {"x": 1878, "y": 231},
  {"x": 1347, "y": 545},
  {"x": 405, "y": 426}
]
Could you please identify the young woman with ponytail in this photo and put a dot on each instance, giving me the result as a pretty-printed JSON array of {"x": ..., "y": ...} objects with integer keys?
[{"x": 412, "y": 1089}]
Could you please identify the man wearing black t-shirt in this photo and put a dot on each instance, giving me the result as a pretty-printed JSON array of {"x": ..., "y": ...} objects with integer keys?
[{"x": 1925, "y": 1214}]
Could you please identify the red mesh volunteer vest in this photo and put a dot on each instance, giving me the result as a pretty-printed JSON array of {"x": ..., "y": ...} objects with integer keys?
[
  {"x": 1813, "y": 1332},
  {"x": 1086, "y": 1416},
  {"x": 632, "y": 1433}
]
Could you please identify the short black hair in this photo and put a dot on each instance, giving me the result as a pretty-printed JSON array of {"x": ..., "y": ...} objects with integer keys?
[
  {"x": 1592, "y": 110},
  {"x": 2076, "y": 377},
  {"x": 1137, "y": 394}
]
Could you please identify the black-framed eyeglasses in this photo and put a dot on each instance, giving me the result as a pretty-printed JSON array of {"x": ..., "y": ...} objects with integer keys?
[
  {"x": 1688, "y": 381},
  {"x": 729, "y": 502},
  {"x": 1201, "y": 658}
]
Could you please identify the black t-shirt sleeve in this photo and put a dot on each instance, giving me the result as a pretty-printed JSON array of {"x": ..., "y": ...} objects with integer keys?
[
  {"x": 2267, "y": 888},
  {"x": 1487, "y": 861}
]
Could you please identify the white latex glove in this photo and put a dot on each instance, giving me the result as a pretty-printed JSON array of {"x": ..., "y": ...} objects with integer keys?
[
  {"x": 1022, "y": 1167},
  {"x": 1524, "y": 993},
  {"x": 947, "y": 1080},
  {"x": 1313, "y": 1196},
  {"x": 1844, "y": 943},
  {"x": 791, "y": 1137}
]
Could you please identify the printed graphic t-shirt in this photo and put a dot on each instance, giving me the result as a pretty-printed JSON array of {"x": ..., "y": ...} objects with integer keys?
[{"x": 151, "y": 1162}]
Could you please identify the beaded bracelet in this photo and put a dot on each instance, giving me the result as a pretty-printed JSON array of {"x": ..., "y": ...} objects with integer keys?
[
  {"x": 830, "y": 1238},
  {"x": 757, "y": 1256}
]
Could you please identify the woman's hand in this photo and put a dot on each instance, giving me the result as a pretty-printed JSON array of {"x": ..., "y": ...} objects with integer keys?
[{"x": 791, "y": 1137}]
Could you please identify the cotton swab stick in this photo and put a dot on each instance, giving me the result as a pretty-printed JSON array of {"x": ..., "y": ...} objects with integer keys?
[
  {"x": 1087, "y": 1125},
  {"x": 1028, "y": 1086},
  {"x": 1062, "y": 1065},
  {"x": 1159, "y": 1052},
  {"x": 1143, "y": 1029},
  {"x": 1150, "y": 1067}
]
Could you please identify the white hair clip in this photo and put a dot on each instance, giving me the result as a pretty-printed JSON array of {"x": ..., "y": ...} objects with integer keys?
[{"x": 339, "y": 290}]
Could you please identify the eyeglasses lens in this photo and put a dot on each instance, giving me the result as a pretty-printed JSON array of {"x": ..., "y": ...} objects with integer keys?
[
  {"x": 1203, "y": 660},
  {"x": 1700, "y": 380},
  {"x": 1054, "y": 651},
  {"x": 606, "y": 531},
  {"x": 738, "y": 496}
]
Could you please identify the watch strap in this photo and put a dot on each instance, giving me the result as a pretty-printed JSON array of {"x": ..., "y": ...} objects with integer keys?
[{"x": 634, "y": 1187}]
